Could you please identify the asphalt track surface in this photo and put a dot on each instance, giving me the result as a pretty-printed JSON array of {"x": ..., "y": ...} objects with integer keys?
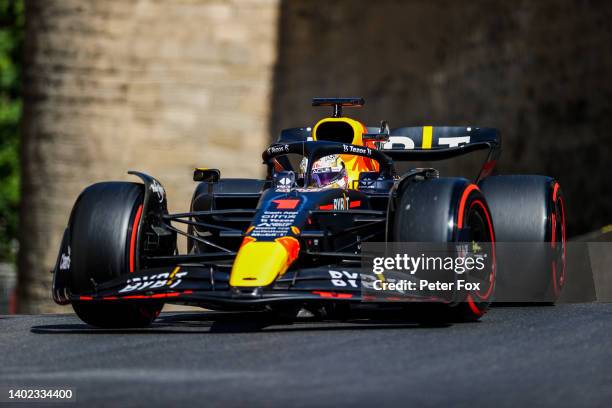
[{"x": 516, "y": 356}]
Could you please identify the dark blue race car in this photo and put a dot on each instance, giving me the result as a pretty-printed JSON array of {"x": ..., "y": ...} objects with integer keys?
[{"x": 294, "y": 240}]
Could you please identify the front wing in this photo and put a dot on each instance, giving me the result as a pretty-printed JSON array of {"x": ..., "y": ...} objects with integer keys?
[{"x": 208, "y": 286}]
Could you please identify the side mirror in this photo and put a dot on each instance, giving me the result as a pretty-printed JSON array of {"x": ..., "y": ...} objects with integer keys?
[
  {"x": 209, "y": 175},
  {"x": 381, "y": 137}
]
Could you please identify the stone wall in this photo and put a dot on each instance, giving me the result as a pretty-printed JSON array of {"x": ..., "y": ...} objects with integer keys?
[
  {"x": 160, "y": 86},
  {"x": 538, "y": 70}
]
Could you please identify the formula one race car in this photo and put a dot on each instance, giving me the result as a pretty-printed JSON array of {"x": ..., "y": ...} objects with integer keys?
[{"x": 293, "y": 240}]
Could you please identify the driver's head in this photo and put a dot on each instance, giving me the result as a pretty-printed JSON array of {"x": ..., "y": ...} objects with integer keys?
[{"x": 328, "y": 171}]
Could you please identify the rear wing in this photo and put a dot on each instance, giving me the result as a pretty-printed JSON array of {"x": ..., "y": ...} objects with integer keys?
[
  {"x": 438, "y": 142},
  {"x": 419, "y": 142},
  {"x": 425, "y": 143}
]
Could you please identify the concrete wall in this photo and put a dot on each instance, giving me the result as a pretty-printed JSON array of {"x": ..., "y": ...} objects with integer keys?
[
  {"x": 160, "y": 86},
  {"x": 538, "y": 70}
]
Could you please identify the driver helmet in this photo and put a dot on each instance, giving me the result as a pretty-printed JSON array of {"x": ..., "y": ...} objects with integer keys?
[{"x": 327, "y": 172}]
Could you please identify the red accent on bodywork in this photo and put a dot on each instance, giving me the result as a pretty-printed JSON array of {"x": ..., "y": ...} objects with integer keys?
[
  {"x": 246, "y": 240},
  {"x": 286, "y": 204},
  {"x": 487, "y": 168},
  {"x": 165, "y": 295},
  {"x": 354, "y": 204},
  {"x": 154, "y": 296},
  {"x": 368, "y": 297},
  {"x": 133, "y": 238},
  {"x": 292, "y": 246},
  {"x": 332, "y": 294},
  {"x": 326, "y": 207}
]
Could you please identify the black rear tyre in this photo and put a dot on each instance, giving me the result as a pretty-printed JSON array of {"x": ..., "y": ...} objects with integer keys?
[
  {"x": 447, "y": 210},
  {"x": 103, "y": 232},
  {"x": 528, "y": 209}
]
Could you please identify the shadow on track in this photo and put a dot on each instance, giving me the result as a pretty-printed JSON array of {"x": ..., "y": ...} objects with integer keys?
[{"x": 253, "y": 322}]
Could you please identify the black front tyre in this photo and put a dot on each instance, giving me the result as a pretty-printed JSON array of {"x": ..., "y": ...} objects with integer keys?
[
  {"x": 448, "y": 210},
  {"x": 103, "y": 232},
  {"x": 116, "y": 315}
]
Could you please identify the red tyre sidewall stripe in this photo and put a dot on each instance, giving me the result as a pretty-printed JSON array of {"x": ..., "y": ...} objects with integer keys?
[
  {"x": 134, "y": 236},
  {"x": 553, "y": 240},
  {"x": 460, "y": 222},
  {"x": 563, "y": 238},
  {"x": 464, "y": 197},
  {"x": 473, "y": 307},
  {"x": 557, "y": 287},
  {"x": 494, "y": 264}
]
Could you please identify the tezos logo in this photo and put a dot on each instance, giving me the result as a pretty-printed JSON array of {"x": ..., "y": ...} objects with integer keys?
[
  {"x": 278, "y": 149},
  {"x": 356, "y": 149}
]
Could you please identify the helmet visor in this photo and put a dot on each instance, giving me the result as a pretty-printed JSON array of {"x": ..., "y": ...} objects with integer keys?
[{"x": 326, "y": 176}]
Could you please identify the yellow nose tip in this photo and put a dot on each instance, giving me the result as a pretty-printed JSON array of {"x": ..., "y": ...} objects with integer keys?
[{"x": 258, "y": 264}]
